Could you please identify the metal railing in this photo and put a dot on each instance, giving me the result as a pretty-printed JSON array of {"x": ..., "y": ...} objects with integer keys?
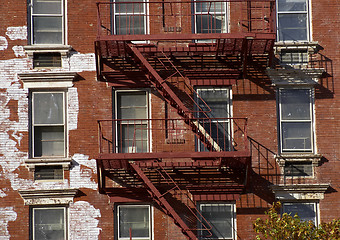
[
  {"x": 171, "y": 135},
  {"x": 137, "y": 17}
]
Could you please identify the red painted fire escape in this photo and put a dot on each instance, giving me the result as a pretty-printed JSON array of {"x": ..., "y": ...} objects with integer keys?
[{"x": 155, "y": 48}]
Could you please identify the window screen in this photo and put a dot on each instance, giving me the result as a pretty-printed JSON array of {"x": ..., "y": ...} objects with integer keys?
[
  {"x": 134, "y": 219},
  {"x": 306, "y": 211},
  {"x": 47, "y": 21},
  {"x": 49, "y": 223},
  {"x": 221, "y": 219},
  {"x": 48, "y": 124},
  {"x": 296, "y": 119},
  {"x": 293, "y": 20}
]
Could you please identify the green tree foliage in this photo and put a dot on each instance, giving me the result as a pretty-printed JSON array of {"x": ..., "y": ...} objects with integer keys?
[{"x": 285, "y": 226}]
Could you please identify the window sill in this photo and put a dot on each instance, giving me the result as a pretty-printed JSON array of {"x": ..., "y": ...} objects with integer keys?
[
  {"x": 33, "y": 162},
  {"x": 292, "y": 76},
  {"x": 311, "y": 47},
  {"x": 41, "y": 48}
]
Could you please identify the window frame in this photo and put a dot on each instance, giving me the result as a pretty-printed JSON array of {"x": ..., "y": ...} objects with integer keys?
[
  {"x": 229, "y": 122},
  {"x": 315, "y": 207},
  {"x": 117, "y": 147},
  {"x": 307, "y": 12},
  {"x": 33, "y": 125},
  {"x": 31, "y": 16},
  {"x": 233, "y": 220},
  {"x": 311, "y": 121},
  {"x": 32, "y": 219},
  {"x": 151, "y": 223}
]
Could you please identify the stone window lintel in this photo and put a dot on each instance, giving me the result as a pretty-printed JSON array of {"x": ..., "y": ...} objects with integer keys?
[{"x": 48, "y": 197}]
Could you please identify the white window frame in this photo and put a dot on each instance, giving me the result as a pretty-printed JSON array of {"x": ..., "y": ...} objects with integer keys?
[
  {"x": 311, "y": 121},
  {"x": 148, "y": 109},
  {"x": 307, "y": 12},
  {"x": 151, "y": 223},
  {"x": 230, "y": 109},
  {"x": 315, "y": 207},
  {"x": 65, "y": 225},
  {"x": 64, "y": 124},
  {"x": 144, "y": 12},
  {"x": 233, "y": 208},
  {"x": 63, "y": 23}
]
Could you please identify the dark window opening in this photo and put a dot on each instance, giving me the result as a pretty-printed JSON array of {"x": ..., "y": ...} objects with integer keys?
[
  {"x": 299, "y": 169},
  {"x": 46, "y": 60},
  {"x": 48, "y": 173}
]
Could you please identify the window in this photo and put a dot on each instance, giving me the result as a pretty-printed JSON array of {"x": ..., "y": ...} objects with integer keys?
[
  {"x": 49, "y": 223},
  {"x": 132, "y": 125},
  {"x": 48, "y": 124},
  {"x": 298, "y": 169},
  {"x": 296, "y": 120},
  {"x": 221, "y": 217},
  {"x": 306, "y": 211},
  {"x": 210, "y": 16},
  {"x": 46, "y": 21},
  {"x": 293, "y": 20},
  {"x": 134, "y": 219},
  {"x": 216, "y": 122},
  {"x": 55, "y": 172},
  {"x": 129, "y": 17},
  {"x": 46, "y": 60},
  {"x": 294, "y": 56}
]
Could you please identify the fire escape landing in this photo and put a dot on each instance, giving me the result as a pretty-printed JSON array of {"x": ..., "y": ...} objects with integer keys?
[{"x": 167, "y": 46}]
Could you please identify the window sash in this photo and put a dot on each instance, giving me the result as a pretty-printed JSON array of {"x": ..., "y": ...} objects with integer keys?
[
  {"x": 44, "y": 224},
  {"x": 48, "y": 135},
  {"x": 210, "y": 17},
  {"x": 132, "y": 131},
  {"x": 221, "y": 221},
  {"x": 142, "y": 227},
  {"x": 135, "y": 18},
  {"x": 290, "y": 32},
  {"x": 54, "y": 35},
  {"x": 290, "y": 126}
]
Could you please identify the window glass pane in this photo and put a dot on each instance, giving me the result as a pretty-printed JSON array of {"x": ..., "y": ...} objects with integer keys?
[
  {"x": 132, "y": 105},
  {"x": 296, "y": 104},
  {"x": 47, "y": 30},
  {"x": 133, "y": 138},
  {"x": 47, "y": 6},
  {"x": 220, "y": 217},
  {"x": 130, "y": 24},
  {"x": 306, "y": 211},
  {"x": 210, "y": 6},
  {"x": 135, "y": 218},
  {"x": 217, "y": 100},
  {"x": 49, "y": 141},
  {"x": 292, "y": 5},
  {"x": 210, "y": 23},
  {"x": 127, "y": 6},
  {"x": 296, "y": 136},
  {"x": 298, "y": 169},
  {"x": 48, "y": 108},
  {"x": 292, "y": 27},
  {"x": 49, "y": 224},
  {"x": 48, "y": 172}
]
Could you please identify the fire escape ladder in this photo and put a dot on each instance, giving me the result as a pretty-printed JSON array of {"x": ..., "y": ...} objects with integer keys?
[
  {"x": 165, "y": 90},
  {"x": 162, "y": 201}
]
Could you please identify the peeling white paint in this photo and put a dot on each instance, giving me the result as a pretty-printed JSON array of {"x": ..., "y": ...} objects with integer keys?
[
  {"x": 73, "y": 108},
  {"x": 83, "y": 221},
  {"x": 2, "y": 193},
  {"x": 19, "y": 51},
  {"x": 17, "y": 33},
  {"x": 82, "y": 62},
  {"x": 6, "y": 214},
  {"x": 82, "y": 171},
  {"x": 3, "y": 43}
]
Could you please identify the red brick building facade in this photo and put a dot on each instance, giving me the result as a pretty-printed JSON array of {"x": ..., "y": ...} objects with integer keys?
[{"x": 166, "y": 119}]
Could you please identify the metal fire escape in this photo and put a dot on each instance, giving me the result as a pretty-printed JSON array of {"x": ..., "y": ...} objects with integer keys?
[{"x": 171, "y": 60}]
